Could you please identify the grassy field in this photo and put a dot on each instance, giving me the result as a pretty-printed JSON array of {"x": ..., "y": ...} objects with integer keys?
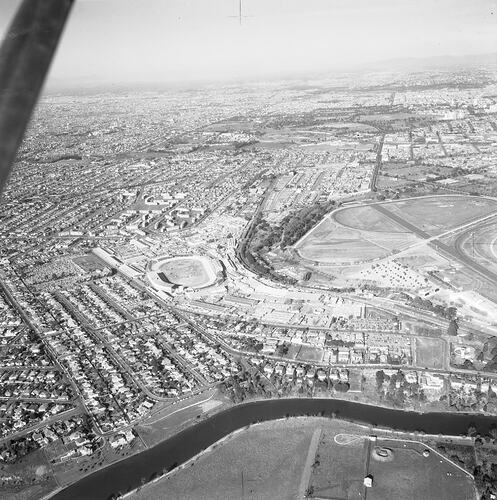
[
  {"x": 308, "y": 353},
  {"x": 293, "y": 351},
  {"x": 420, "y": 327},
  {"x": 339, "y": 470},
  {"x": 361, "y": 234},
  {"x": 345, "y": 251},
  {"x": 367, "y": 218},
  {"x": 430, "y": 352},
  {"x": 89, "y": 263},
  {"x": 186, "y": 272},
  {"x": 28, "y": 479},
  {"x": 344, "y": 459},
  {"x": 437, "y": 214},
  {"x": 480, "y": 245},
  {"x": 333, "y": 243},
  {"x": 171, "y": 419},
  {"x": 411, "y": 173},
  {"x": 265, "y": 461},
  {"x": 412, "y": 476}
]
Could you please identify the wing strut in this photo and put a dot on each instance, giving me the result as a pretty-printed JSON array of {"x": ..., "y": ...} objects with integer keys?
[{"x": 25, "y": 56}]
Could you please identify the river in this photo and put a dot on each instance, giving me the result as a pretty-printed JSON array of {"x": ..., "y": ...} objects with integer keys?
[{"x": 128, "y": 474}]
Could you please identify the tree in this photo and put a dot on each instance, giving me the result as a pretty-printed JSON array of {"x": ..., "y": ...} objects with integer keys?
[
  {"x": 380, "y": 378},
  {"x": 493, "y": 432},
  {"x": 309, "y": 491},
  {"x": 471, "y": 432},
  {"x": 282, "y": 349},
  {"x": 342, "y": 386},
  {"x": 453, "y": 328},
  {"x": 451, "y": 312}
]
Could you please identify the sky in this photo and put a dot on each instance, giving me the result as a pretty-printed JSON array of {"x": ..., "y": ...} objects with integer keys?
[{"x": 125, "y": 41}]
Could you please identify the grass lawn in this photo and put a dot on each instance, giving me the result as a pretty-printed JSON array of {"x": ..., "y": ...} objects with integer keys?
[
  {"x": 266, "y": 461},
  {"x": 308, "y": 353},
  {"x": 28, "y": 479},
  {"x": 430, "y": 352},
  {"x": 412, "y": 476},
  {"x": 332, "y": 243},
  {"x": 293, "y": 351},
  {"x": 367, "y": 219},
  {"x": 187, "y": 272},
  {"x": 438, "y": 214},
  {"x": 89, "y": 263},
  {"x": 339, "y": 470}
]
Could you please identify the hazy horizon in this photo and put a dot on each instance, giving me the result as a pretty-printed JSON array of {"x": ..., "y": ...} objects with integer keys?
[{"x": 172, "y": 41}]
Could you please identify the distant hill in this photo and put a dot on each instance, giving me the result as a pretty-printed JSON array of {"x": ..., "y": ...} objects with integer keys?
[
  {"x": 406, "y": 65},
  {"x": 435, "y": 62}
]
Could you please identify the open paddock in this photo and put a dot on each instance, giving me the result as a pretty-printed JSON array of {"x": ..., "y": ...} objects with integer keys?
[
  {"x": 333, "y": 243},
  {"x": 411, "y": 475},
  {"x": 366, "y": 218},
  {"x": 441, "y": 213},
  {"x": 263, "y": 461},
  {"x": 359, "y": 234},
  {"x": 480, "y": 245},
  {"x": 293, "y": 351},
  {"x": 340, "y": 463},
  {"x": 89, "y": 263},
  {"x": 430, "y": 352},
  {"x": 308, "y": 353},
  {"x": 399, "y": 469}
]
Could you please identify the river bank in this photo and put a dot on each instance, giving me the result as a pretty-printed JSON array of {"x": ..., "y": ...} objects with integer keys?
[{"x": 130, "y": 473}]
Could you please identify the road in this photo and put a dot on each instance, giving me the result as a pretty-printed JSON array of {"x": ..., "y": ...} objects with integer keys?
[
  {"x": 401, "y": 221},
  {"x": 307, "y": 469},
  {"x": 439, "y": 246},
  {"x": 247, "y": 233},
  {"x": 182, "y": 362},
  {"x": 17, "y": 368},
  {"x": 43, "y": 339},
  {"x": 55, "y": 418},
  {"x": 483, "y": 250},
  {"x": 177, "y": 410},
  {"x": 377, "y": 166},
  {"x": 212, "y": 183},
  {"x": 110, "y": 301},
  {"x": 28, "y": 399},
  {"x": 441, "y": 143},
  {"x": 96, "y": 335},
  {"x": 392, "y": 306}
]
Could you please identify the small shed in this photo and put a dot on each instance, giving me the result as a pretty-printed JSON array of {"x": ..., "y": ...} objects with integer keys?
[{"x": 368, "y": 481}]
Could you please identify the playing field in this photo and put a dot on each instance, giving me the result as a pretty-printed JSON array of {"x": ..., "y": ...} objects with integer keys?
[
  {"x": 479, "y": 244},
  {"x": 437, "y": 214},
  {"x": 412, "y": 476},
  {"x": 344, "y": 459},
  {"x": 89, "y": 263},
  {"x": 430, "y": 352},
  {"x": 264, "y": 461},
  {"x": 194, "y": 272},
  {"x": 308, "y": 353},
  {"x": 341, "y": 468},
  {"x": 283, "y": 459},
  {"x": 359, "y": 234},
  {"x": 333, "y": 243},
  {"x": 367, "y": 219}
]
